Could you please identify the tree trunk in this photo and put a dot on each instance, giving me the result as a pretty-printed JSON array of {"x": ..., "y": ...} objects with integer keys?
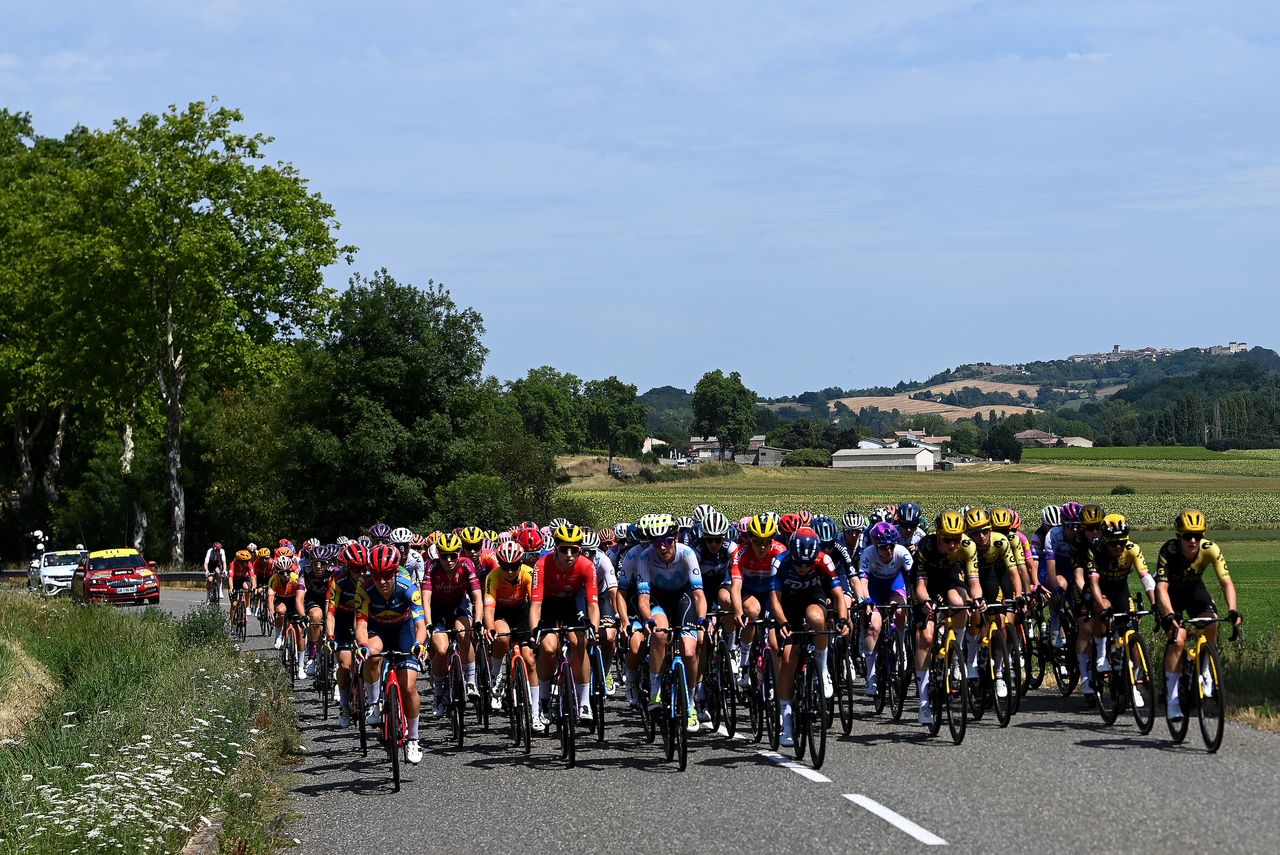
[
  {"x": 126, "y": 469},
  {"x": 25, "y": 440},
  {"x": 173, "y": 471},
  {"x": 55, "y": 456}
]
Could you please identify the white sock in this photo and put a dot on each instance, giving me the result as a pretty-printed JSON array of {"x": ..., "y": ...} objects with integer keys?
[
  {"x": 821, "y": 656},
  {"x": 373, "y": 691},
  {"x": 786, "y": 708},
  {"x": 469, "y": 673},
  {"x": 922, "y": 683},
  {"x": 1171, "y": 681},
  {"x": 582, "y": 694},
  {"x": 413, "y": 727},
  {"x": 1083, "y": 659},
  {"x": 535, "y": 696},
  {"x": 871, "y": 665},
  {"x": 744, "y": 654},
  {"x": 1099, "y": 648}
]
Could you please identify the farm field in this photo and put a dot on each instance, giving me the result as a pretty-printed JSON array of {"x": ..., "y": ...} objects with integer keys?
[
  {"x": 983, "y": 386},
  {"x": 1234, "y": 492},
  {"x": 907, "y": 405}
]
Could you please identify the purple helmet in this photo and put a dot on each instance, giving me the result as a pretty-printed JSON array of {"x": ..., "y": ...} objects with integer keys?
[
  {"x": 1071, "y": 512},
  {"x": 883, "y": 534}
]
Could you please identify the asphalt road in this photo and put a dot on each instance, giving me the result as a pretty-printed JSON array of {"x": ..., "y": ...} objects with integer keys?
[{"x": 1056, "y": 780}]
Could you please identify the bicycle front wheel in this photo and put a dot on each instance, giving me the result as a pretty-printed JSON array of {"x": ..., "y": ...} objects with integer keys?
[
  {"x": 457, "y": 706},
  {"x": 392, "y": 725},
  {"x": 957, "y": 692},
  {"x": 1142, "y": 684},
  {"x": 1212, "y": 706},
  {"x": 997, "y": 675},
  {"x": 597, "y": 692},
  {"x": 680, "y": 718},
  {"x": 484, "y": 683},
  {"x": 567, "y": 716},
  {"x": 771, "y": 704},
  {"x": 816, "y": 729},
  {"x": 897, "y": 678}
]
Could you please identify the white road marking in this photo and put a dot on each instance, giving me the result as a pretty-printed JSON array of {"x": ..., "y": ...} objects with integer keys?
[
  {"x": 893, "y": 817},
  {"x": 802, "y": 771}
]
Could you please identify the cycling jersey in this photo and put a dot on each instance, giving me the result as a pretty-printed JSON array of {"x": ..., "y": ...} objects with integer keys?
[
  {"x": 413, "y": 566},
  {"x": 606, "y": 576},
  {"x": 341, "y": 599},
  {"x": 503, "y": 593},
  {"x": 943, "y": 572},
  {"x": 789, "y": 581},
  {"x": 449, "y": 587},
  {"x": 657, "y": 577},
  {"x": 894, "y": 570},
  {"x": 1115, "y": 571},
  {"x": 842, "y": 561},
  {"x": 550, "y": 582},
  {"x": 756, "y": 573},
  {"x": 715, "y": 565},
  {"x": 1174, "y": 569},
  {"x": 404, "y": 603},
  {"x": 917, "y": 535},
  {"x": 994, "y": 563},
  {"x": 286, "y": 584},
  {"x": 241, "y": 571},
  {"x": 262, "y": 570},
  {"x": 1016, "y": 547}
]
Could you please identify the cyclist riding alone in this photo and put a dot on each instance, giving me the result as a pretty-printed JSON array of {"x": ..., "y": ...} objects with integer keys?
[
  {"x": 1180, "y": 592},
  {"x": 389, "y": 616}
]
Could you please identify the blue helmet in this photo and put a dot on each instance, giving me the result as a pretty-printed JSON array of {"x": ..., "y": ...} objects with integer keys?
[
  {"x": 826, "y": 529},
  {"x": 910, "y": 513},
  {"x": 804, "y": 548}
]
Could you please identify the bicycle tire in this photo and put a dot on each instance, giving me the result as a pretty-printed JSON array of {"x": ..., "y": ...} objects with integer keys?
[
  {"x": 597, "y": 693},
  {"x": 1141, "y": 682},
  {"x": 484, "y": 685},
  {"x": 957, "y": 692},
  {"x": 521, "y": 709},
  {"x": 978, "y": 688},
  {"x": 755, "y": 701},
  {"x": 999, "y": 670},
  {"x": 456, "y": 701},
  {"x": 771, "y": 704},
  {"x": 323, "y": 669},
  {"x": 567, "y": 715},
  {"x": 728, "y": 692},
  {"x": 937, "y": 688},
  {"x": 800, "y": 711},
  {"x": 391, "y": 730},
  {"x": 817, "y": 725},
  {"x": 1178, "y": 729},
  {"x": 1034, "y": 647},
  {"x": 848, "y": 691},
  {"x": 897, "y": 684},
  {"x": 1014, "y": 675},
  {"x": 680, "y": 717},
  {"x": 882, "y": 667},
  {"x": 664, "y": 716},
  {"x": 1108, "y": 688},
  {"x": 1211, "y": 706},
  {"x": 357, "y": 701},
  {"x": 712, "y": 693},
  {"x": 290, "y": 658}
]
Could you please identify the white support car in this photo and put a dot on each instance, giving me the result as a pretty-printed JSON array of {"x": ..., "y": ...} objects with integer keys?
[{"x": 56, "y": 570}]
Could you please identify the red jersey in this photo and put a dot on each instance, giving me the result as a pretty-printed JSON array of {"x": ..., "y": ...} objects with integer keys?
[
  {"x": 756, "y": 573},
  {"x": 550, "y": 582},
  {"x": 448, "y": 587},
  {"x": 242, "y": 569},
  {"x": 262, "y": 569}
]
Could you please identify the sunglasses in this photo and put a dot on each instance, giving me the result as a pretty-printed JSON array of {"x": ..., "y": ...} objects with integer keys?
[
  {"x": 884, "y": 546},
  {"x": 951, "y": 541},
  {"x": 710, "y": 540},
  {"x": 448, "y": 556},
  {"x": 1072, "y": 526},
  {"x": 1093, "y": 528},
  {"x": 510, "y": 568},
  {"x": 762, "y": 541},
  {"x": 568, "y": 550},
  {"x": 665, "y": 542},
  {"x": 1191, "y": 535},
  {"x": 908, "y": 526}
]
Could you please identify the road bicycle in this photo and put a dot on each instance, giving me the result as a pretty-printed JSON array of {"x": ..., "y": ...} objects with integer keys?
[
  {"x": 484, "y": 680},
  {"x": 948, "y": 681},
  {"x": 719, "y": 659},
  {"x": 1201, "y": 685},
  {"x": 840, "y": 660},
  {"x": 294, "y": 636},
  {"x": 763, "y": 705},
  {"x": 893, "y": 662},
  {"x": 455, "y": 691},
  {"x": 597, "y": 690},
  {"x": 261, "y": 612},
  {"x": 514, "y": 690},
  {"x": 562, "y": 699},
  {"x": 1128, "y": 680},
  {"x": 395, "y": 733},
  {"x": 1061, "y": 660},
  {"x": 808, "y": 705},
  {"x": 239, "y": 617},
  {"x": 994, "y": 669},
  {"x": 326, "y": 678},
  {"x": 674, "y": 693}
]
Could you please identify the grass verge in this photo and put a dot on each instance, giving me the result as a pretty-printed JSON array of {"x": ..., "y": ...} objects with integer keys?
[{"x": 153, "y": 724}]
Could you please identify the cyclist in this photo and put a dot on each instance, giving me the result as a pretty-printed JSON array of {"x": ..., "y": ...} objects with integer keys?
[
  {"x": 558, "y": 577},
  {"x": 1180, "y": 590},
  {"x": 669, "y": 594},
  {"x": 285, "y": 592},
  {"x": 802, "y": 584},
  {"x": 607, "y": 595},
  {"x": 506, "y": 610},
  {"x": 451, "y": 599},
  {"x": 854, "y": 526},
  {"x": 997, "y": 574},
  {"x": 316, "y": 574},
  {"x": 262, "y": 568},
  {"x": 715, "y": 558},
  {"x": 1114, "y": 557},
  {"x": 833, "y": 546},
  {"x": 752, "y": 581},
  {"x": 1002, "y": 520},
  {"x": 881, "y": 580},
  {"x": 909, "y": 520},
  {"x": 1066, "y": 547},
  {"x": 389, "y": 616},
  {"x": 340, "y": 619},
  {"x": 473, "y": 549},
  {"x": 215, "y": 570},
  {"x": 242, "y": 575},
  {"x": 411, "y": 563},
  {"x": 946, "y": 566}
]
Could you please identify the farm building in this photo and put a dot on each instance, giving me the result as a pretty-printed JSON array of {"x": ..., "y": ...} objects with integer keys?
[
  {"x": 903, "y": 459},
  {"x": 767, "y": 455}
]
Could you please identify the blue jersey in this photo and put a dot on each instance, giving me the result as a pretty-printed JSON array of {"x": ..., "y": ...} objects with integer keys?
[
  {"x": 404, "y": 603},
  {"x": 715, "y": 564},
  {"x": 790, "y": 581},
  {"x": 656, "y": 577}
]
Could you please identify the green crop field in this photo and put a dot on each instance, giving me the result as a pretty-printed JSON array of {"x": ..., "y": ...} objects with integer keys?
[{"x": 1140, "y": 452}]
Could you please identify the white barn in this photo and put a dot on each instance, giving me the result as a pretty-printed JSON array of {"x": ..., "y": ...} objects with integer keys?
[{"x": 900, "y": 459}]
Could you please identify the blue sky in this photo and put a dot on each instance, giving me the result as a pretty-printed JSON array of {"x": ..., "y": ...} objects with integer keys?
[{"x": 813, "y": 194}]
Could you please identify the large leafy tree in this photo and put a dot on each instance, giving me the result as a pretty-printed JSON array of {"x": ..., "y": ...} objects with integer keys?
[
  {"x": 550, "y": 403},
  {"x": 614, "y": 419},
  {"x": 725, "y": 408}
]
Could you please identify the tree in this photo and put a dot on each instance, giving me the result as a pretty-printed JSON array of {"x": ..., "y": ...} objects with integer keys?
[
  {"x": 1000, "y": 444},
  {"x": 964, "y": 438},
  {"x": 725, "y": 408},
  {"x": 614, "y": 419},
  {"x": 550, "y": 403},
  {"x": 808, "y": 457}
]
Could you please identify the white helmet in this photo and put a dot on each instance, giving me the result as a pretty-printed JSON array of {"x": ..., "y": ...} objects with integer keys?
[{"x": 401, "y": 536}]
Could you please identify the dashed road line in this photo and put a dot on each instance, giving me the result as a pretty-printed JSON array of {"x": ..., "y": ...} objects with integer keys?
[
  {"x": 920, "y": 833},
  {"x": 802, "y": 771}
]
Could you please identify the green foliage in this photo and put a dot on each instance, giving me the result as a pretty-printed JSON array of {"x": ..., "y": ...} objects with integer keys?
[
  {"x": 723, "y": 407},
  {"x": 483, "y": 500},
  {"x": 669, "y": 413},
  {"x": 1122, "y": 490},
  {"x": 549, "y": 402},
  {"x": 808, "y": 457},
  {"x": 615, "y": 420},
  {"x": 1000, "y": 444},
  {"x": 809, "y": 433}
]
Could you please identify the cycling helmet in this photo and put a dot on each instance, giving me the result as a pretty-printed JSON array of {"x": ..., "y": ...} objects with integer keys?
[
  {"x": 910, "y": 514},
  {"x": 715, "y": 524},
  {"x": 732, "y": 534},
  {"x": 472, "y": 535},
  {"x": 762, "y": 526},
  {"x": 264, "y": 553},
  {"x": 1092, "y": 515},
  {"x": 656, "y": 526},
  {"x": 884, "y": 534},
  {"x": 284, "y": 550},
  {"x": 380, "y": 531},
  {"x": 449, "y": 542},
  {"x": 773, "y": 515},
  {"x": 253, "y": 547},
  {"x": 417, "y": 541},
  {"x": 854, "y": 521},
  {"x": 804, "y": 549},
  {"x": 1190, "y": 521},
  {"x": 1115, "y": 527},
  {"x": 567, "y": 532},
  {"x": 700, "y": 513},
  {"x": 244, "y": 555},
  {"x": 1002, "y": 519},
  {"x": 342, "y": 540},
  {"x": 384, "y": 561},
  {"x": 607, "y": 536},
  {"x": 683, "y": 523},
  {"x": 976, "y": 519},
  {"x": 1017, "y": 521},
  {"x": 310, "y": 544},
  {"x": 590, "y": 540},
  {"x": 284, "y": 541},
  {"x": 878, "y": 516},
  {"x": 329, "y": 552},
  {"x": 788, "y": 524},
  {"x": 354, "y": 554},
  {"x": 557, "y": 522},
  {"x": 504, "y": 536},
  {"x": 365, "y": 539},
  {"x": 949, "y": 523},
  {"x": 1071, "y": 512},
  {"x": 620, "y": 530},
  {"x": 806, "y": 518},
  {"x": 285, "y": 564},
  {"x": 743, "y": 525},
  {"x": 401, "y": 536},
  {"x": 826, "y": 530},
  {"x": 633, "y": 533},
  {"x": 1051, "y": 516},
  {"x": 509, "y": 553}
]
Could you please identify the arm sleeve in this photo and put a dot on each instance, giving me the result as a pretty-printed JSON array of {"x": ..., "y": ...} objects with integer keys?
[
  {"x": 537, "y": 586},
  {"x": 362, "y": 603},
  {"x": 586, "y": 570},
  {"x": 642, "y": 577}
]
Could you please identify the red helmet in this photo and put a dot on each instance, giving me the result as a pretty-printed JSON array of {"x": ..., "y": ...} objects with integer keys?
[
  {"x": 384, "y": 561},
  {"x": 530, "y": 539},
  {"x": 806, "y": 518},
  {"x": 509, "y": 552},
  {"x": 789, "y": 523},
  {"x": 354, "y": 554}
]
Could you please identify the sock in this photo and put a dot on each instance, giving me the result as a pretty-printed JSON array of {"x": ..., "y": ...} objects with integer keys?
[
  {"x": 413, "y": 727},
  {"x": 655, "y": 684},
  {"x": 495, "y": 667},
  {"x": 1099, "y": 648},
  {"x": 438, "y": 684},
  {"x": 469, "y": 673},
  {"x": 535, "y": 696},
  {"x": 871, "y": 666},
  {"x": 821, "y": 656},
  {"x": 582, "y": 694},
  {"x": 786, "y": 709},
  {"x": 1171, "y": 681},
  {"x": 744, "y": 655},
  {"x": 922, "y": 683},
  {"x": 373, "y": 692},
  {"x": 1083, "y": 659}
]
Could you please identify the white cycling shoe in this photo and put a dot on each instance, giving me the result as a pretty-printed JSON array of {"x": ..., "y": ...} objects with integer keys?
[
  {"x": 413, "y": 752},
  {"x": 787, "y": 739}
]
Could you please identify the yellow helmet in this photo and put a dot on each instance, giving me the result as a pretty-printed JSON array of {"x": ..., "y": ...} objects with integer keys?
[
  {"x": 1189, "y": 521},
  {"x": 976, "y": 519},
  {"x": 762, "y": 526},
  {"x": 448, "y": 542},
  {"x": 243, "y": 555},
  {"x": 567, "y": 533},
  {"x": 264, "y": 552},
  {"x": 1002, "y": 519},
  {"x": 472, "y": 535},
  {"x": 949, "y": 523},
  {"x": 1115, "y": 527},
  {"x": 1092, "y": 515}
]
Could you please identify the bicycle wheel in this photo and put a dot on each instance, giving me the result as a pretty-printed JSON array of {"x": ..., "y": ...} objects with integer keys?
[
  {"x": 666, "y": 716},
  {"x": 357, "y": 701},
  {"x": 484, "y": 683},
  {"x": 817, "y": 726},
  {"x": 712, "y": 682},
  {"x": 770, "y": 704},
  {"x": 800, "y": 711},
  {"x": 898, "y": 679},
  {"x": 1142, "y": 685},
  {"x": 456, "y": 699},
  {"x": 680, "y": 716},
  {"x": 323, "y": 673},
  {"x": 937, "y": 689},
  {"x": 567, "y": 716},
  {"x": 848, "y": 691},
  {"x": 728, "y": 691},
  {"x": 998, "y": 672},
  {"x": 755, "y": 704},
  {"x": 290, "y": 658},
  {"x": 597, "y": 692},
  {"x": 957, "y": 693},
  {"x": 1211, "y": 707},
  {"x": 881, "y": 653},
  {"x": 521, "y": 710},
  {"x": 1013, "y": 677},
  {"x": 979, "y": 687},
  {"x": 1034, "y": 652},
  {"x": 1109, "y": 689},
  {"x": 391, "y": 726},
  {"x": 1178, "y": 729}
]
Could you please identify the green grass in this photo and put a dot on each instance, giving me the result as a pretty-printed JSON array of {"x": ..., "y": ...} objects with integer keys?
[
  {"x": 6, "y": 663},
  {"x": 153, "y": 723},
  {"x": 1136, "y": 452}
]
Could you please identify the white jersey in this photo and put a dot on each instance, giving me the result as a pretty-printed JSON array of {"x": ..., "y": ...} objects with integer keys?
[{"x": 872, "y": 566}]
